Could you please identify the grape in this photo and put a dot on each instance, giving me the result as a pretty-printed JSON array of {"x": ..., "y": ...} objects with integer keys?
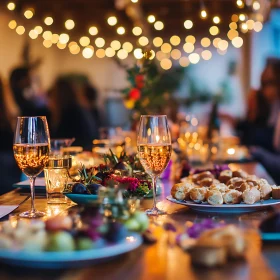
[
  {"x": 61, "y": 241},
  {"x": 142, "y": 219},
  {"x": 132, "y": 224},
  {"x": 79, "y": 188},
  {"x": 84, "y": 243},
  {"x": 93, "y": 188},
  {"x": 116, "y": 232}
]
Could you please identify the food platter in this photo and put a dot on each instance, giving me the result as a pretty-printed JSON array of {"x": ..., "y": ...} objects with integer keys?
[
  {"x": 55, "y": 260},
  {"x": 226, "y": 208}
]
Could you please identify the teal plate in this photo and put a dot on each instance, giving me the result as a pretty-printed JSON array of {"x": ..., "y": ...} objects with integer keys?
[
  {"x": 270, "y": 236},
  {"x": 82, "y": 199}
]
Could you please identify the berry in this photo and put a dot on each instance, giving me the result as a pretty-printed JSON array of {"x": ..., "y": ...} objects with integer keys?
[{"x": 79, "y": 188}]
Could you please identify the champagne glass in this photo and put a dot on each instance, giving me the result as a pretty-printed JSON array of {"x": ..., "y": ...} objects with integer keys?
[
  {"x": 154, "y": 150},
  {"x": 31, "y": 151}
]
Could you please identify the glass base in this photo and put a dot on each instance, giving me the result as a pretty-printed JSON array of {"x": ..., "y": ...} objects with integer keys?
[
  {"x": 155, "y": 212},
  {"x": 32, "y": 214},
  {"x": 56, "y": 198}
]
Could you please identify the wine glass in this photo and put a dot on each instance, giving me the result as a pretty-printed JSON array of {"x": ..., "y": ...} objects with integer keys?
[
  {"x": 31, "y": 151},
  {"x": 154, "y": 150}
]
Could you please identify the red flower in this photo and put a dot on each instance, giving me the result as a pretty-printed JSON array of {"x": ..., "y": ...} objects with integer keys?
[
  {"x": 135, "y": 94},
  {"x": 140, "y": 81}
]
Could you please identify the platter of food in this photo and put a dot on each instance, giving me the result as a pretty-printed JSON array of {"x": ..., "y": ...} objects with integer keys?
[{"x": 226, "y": 191}]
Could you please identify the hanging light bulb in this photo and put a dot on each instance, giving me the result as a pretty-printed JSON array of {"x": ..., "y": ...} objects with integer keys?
[{"x": 203, "y": 13}]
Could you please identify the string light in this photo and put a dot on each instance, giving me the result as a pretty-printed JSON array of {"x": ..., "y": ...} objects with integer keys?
[
  {"x": 55, "y": 38},
  {"x": 48, "y": 21},
  {"x": 233, "y": 25},
  {"x": 99, "y": 42},
  {"x": 69, "y": 24},
  {"x": 127, "y": 46},
  {"x": 109, "y": 52},
  {"x": 33, "y": 34},
  {"x": 64, "y": 38},
  {"x": 184, "y": 61},
  {"x": 258, "y": 26},
  {"x": 47, "y": 35},
  {"x": 242, "y": 17},
  {"x": 93, "y": 30},
  {"x": 143, "y": 41},
  {"x": 194, "y": 58},
  {"x": 188, "y": 47},
  {"x": 203, "y": 14},
  {"x": 28, "y": 14},
  {"x": 88, "y": 52},
  {"x": 100, "y": 53},
  {"x": 188, "y": 24},
  {"x": 234, "y": 18},
  {"x": 122, "y": 54},
  {"x": 84, "y": 41},
  {"x": 12, "y": 24},
  {"x": 11, "y": 6},
  {"x": 166, "y": 48},
  {"x": 216, "y": 19},
  {"x": 214, "y": 30},
  {"x": 157, "y": 42},
  {"x": 240, "y": 3},
  {"x": 61, "y": 46},
  {"x": 137, "y": 30},
  {"x": 121, "y": 30},
  {"x": 232, "y": 34},
  {"x": 175, "y": 40},
  {"x": 256, "y": 5},
  {"x": 38, "y": 29},
  {"x": 205, "y": 42},
  {"x": 112, "y": 20},
  {"x": 74, "y": 48},
  {"x": 134, "y": 1},
  {"x": 116, "y": 45},
  {"x": 190, "y": 39},
  {"x": 166, "y": 64},
  {"x": 237, "y": 42},
  {"x": 223, "y": 45},
  {"x": 151, "y": 18},
  {"x": 206, "y": 55},
  {"x": 138, "y": 53},
  {"x": 244, "y": 26},
  {"x": 158, "y": 25},
  {"x": 176, "y": 54},
  {"x": 47, "y": 43}
]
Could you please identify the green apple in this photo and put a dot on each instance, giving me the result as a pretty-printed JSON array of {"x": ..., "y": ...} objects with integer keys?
[
  {"x": 84, "y": 243},
  {"x": 61, "y": 241},
  {"x": 132, "y": 224},
  {"x": 142, "y": 219}
]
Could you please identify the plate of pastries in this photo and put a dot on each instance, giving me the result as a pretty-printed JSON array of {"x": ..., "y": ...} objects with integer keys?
[{"x": 229, "y": 191}]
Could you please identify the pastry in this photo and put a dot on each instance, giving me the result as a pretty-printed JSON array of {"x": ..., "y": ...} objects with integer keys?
[
  {"x": 200, "y": 176},
  {"x": 252, "y": 182},
  {"x": 206, "y": 182},
  {"x": 275, "y": 192},
  {"x": 239, "y": 173},
  {"x": 214, "y": 197},
  {"x": 198, "y": 195},
  {"x": 243, "y": 187},
  {"x": 232, "y": 197},
  {"x": 225, "y": 176},
  {"x": 251, "y": 195},
  {"x": 235, "y": 182},
  {"x": 181, "y": 191},
  {"x": 219, "y": 187},
  {"x": 264, "y": 188}
]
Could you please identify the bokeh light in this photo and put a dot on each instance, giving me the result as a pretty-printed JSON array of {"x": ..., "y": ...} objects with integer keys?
[
  {"x": 143, "y": 41},
  {"x": 175, "y": 40},
  {"x": 214, "y": 30},
  {"x": 206, "y": 55},
  {"x": 100, "y": 42},
  {"x": 237, "y": 42},
  {"x": 184, "y": 61},
  {"x": 116, "y": 45},
  {"x": 190, "y": 39},
  {"x": 120, "y": 30},
  {"x": 176, "y": 54},
  {"x": 166, "y": 48},
  {"x": 188, "y": 24},
  {"x": 158, "y": 25},
  {"x": 88, "y": 52},
  {"x": 194, "y": 58},
  {"x": 137, "y": 30},
  {"x": 157, "y": 42},
  {"x": 128, "y": 47},
  {"x": 109, "y": 52},
  {"x": 188, "y": 47},
  {"x": 69, "y": 24},
  {"x": 122, "y": 54},
  {"x": 112, "y": 20},
  {"x": 138, "y": 53},
  {"x": 205, "y": 42},
  {"x": 166, "y": 64},
  {"x": 48, "y": 21},
  {"x": 100, "y": 53},
  {"x": 12, "y": 24},
  {"x": 93, "y": 30}
]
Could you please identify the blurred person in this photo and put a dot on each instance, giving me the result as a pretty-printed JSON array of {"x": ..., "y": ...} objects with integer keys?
[{"x": 69, "y": 117}]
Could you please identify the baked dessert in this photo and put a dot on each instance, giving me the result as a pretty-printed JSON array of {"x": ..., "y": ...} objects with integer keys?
[
  {"x": 214, "y": 197},
  {"x": 198, "y": 195},
  {"x": 219, "y": 187},
  {"x": 181, "y": 191},
  {"x": 235, "y": 182},
  {"x": 243, "y": 187},
  {"x": 206, "y": 182},
  {"x": 200, "y": 176},
  {"x": 225, "y": 176},
  {"x": 240, "y": 173},
  {"x": 232, "y": 197},
  {"x": 264, "y": 188},
  {"x": 251, "y": 195},
  {"x": 275, "y": 192}
]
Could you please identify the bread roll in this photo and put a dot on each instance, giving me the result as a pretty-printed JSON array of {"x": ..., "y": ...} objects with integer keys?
[
  {"x": 181, "y": 191},
  {"x": 244, "y": 186},
  {"x": 200, "y": 176},
  {"x": 206, "y": 182},
  {"x": 252, "y": 195},
  {"x": 239, "y": 173},
  {"x": 275, "y": 192},
  {"x": 235, "y": 181},
  {"x": 214, "y": 197},
  {"x": 232, "y": 197},
  {"x": 219, "y": 187},
  {"x": 198, "y": 195},
  {"x": 264, "y": 188},
  {"x": 225, "y": 176}
]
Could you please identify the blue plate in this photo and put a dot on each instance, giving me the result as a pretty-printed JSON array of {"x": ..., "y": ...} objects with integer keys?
[
  {"x": 55, "y": 260},
  {"x": 82, "y": 199},
  {"x": 270, "y": 236}
]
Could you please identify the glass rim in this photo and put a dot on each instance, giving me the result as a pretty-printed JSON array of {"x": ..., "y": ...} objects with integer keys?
[
  {"x": 27, "y": 117},
  {"x": 158, "y": 115}
]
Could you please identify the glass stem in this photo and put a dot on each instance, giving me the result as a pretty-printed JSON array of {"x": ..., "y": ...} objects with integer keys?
[
  {"x": 154, "y": 185},
  {"x": 32, "y": 184}
]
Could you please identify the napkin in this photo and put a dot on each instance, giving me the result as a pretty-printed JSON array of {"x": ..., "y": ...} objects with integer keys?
[{"x": 6, "y": 209}]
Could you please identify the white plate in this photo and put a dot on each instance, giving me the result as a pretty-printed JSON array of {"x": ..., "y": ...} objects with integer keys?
[
  {"x": 226, "y": 208},
  {"x": 72, "y": 259}
]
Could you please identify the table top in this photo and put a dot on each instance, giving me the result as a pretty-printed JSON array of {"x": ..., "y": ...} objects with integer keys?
[{"x": 164, "y": 260}]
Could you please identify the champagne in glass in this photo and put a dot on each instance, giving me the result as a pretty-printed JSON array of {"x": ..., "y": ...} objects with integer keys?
[
  {"x": 154, "y": 150},
  {"x": 31, "y": 151}
]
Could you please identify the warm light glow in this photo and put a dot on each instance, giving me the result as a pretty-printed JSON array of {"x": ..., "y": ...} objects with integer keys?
[
  {"x": 112, "y": 20},
  {"x": 28, "y": 14},
  {"x": 216, "y": 42},
  {"x": 128, "y": 47},
  {"x": 122, "y": 54},
  {"x": 188, "y": 24},
  {"x": 203, "y": 14},
  {"x": 205, "y": 42},
  {"x": 157, "y": 42},
  {"x": 250, "y": 24},
  {"x": 220, "y": 52},
  {"x": 12, "y": 24},
  {"x": 64, "y": 38},
  {"x": 153, "y": 54},
  {"x": 88, "y": 52},
  {"x": 116, "y": 45},
  {"x": 109, "y": 52},
  {"x": 223, "y": 45},
  {"x": 237, "y": 42},
  {"x": 158, "y": 25},
  {"x": 206, "y": 54},
  {"x": 100, "y": 42},
  {"x": 48, "y": 20},
  {"x": 166, "y": 64},
  {"x": 256, "y": 5},
  {"x": 38, "y": 29},
  {"x": 233, "y": 25},
  {"x": 121, "y": 30},
  {"x": 188, "y": 47},
  {"x": 138, "y": 53},
  {"x": 160, "y": 55},
  {"x": 55, "y": 38},
  {"x": 137, "y": 30},
  {"x": 176, "y": 54},
  {"x": 259, "y": 17},
  {"x": 61, "y": 46},
  {"x": 234, "y": 18},
  {"x": 244, "y": 26},
  {"x": 166, "y": 48},
  {"x": 100, "y": 53},
  {"x": 47, "y": 35},
  {"x": 184, "y": 61},
  {"x": 20, "y": 30},
  {"x": 74, "y": 48},
  {"x": 84, "y": 41},
  {"x": 232, "y": 34},
  {"x": 33, "y": 34},
  {"x": 69, "y": 24},
  {"x": 93, "y": 30},
  {"x": 11, "y": 6},
  {"x": 47, "y": 43},
  {"x": 143, "y": 41},
  {"x": 175, "y": 40},
  {"x": 258, "y": 26},
  {"x": 242, "y": 17},
  {"x": 194, "y": 58},
  {"x": 240, "y": 3},
  {"x": 231, "y": 151},
  {"x": 134, "y": 1},
  {"x": 151, "y": 19},
  {"x": 216, "y": 19},
  {"x": 190, "y": 39},
  {"x": 214, "y": 30}
]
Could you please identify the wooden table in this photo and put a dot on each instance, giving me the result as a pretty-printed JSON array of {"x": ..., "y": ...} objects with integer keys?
[{"x": 162, "y": 260}]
